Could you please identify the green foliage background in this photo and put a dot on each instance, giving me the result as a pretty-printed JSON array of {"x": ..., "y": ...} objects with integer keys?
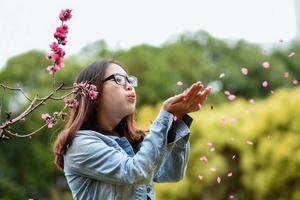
[{"x": 268, "y": 169}]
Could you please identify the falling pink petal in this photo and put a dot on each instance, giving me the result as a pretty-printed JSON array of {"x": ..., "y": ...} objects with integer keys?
[
  {"x": 179, "y": 83},
  {"x": 233, "y": 120},
  {"x": 204, "y": 159},
  {"x": 233, "y": 157},
  {"x": 291, "y": 54},
  {"x": 265, "y": 83},
  {"x": 221, "y": 75},
  {"x": 295, "y": 82},
  {"x": 249, "y": 142},
  {"x": 285, "y": 74},
  {"x": 200, "y": 178},
  {"x": 175, "y": 118},
  {"x": 219, "y": 179},
  {"x": 212, "y": 149},
  {"x": 213, "y": 169},
  {"x": 266, "y": 65},
  {"x": 231, "y": 97},
  {"x": 252, "y": 101},
  {"x": 244, "y": 71},
  {"x": 229, "y": 174},
  {"x": 226, "y": 92},
  {"x": 231, "y": 197},
  {"x": 272, "y": 91},
  {"x": 209, "y": 144}
]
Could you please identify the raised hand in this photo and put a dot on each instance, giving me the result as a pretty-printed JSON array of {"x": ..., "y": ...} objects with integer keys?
[{"x": 190, "y": 100}]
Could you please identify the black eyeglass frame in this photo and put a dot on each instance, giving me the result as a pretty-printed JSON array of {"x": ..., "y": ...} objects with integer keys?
[{"x": 113, "y": 76}]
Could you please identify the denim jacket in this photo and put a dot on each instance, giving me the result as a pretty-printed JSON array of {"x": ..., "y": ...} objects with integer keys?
[{"x": 100, "y": 166}]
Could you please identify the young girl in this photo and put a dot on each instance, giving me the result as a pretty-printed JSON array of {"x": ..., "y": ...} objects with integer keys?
[{"x": 101, "y": 151}]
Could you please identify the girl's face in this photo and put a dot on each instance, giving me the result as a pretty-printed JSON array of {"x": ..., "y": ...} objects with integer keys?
[{"x": 118, "y": 100}]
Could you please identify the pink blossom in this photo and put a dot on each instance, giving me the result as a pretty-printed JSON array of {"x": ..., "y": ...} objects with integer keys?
[
  {"x": 295, "y": 82},
  {"x": 46, "y": 116},
  {"x": 51, "y": 69},
  {"x": 219, "y": 179},
  {"x": 226, "y": 92},
  {"x": 61, "y": 34},
  {"x": 71, "y": 103},
  {"x": 93, "y": 87},
  {"x": 93, "y": 94},
  {"x": 285, "y": 74},
  {"x": 266, "y": 65},
  {"x": 231, "y": 97},
  {"x": 265, "y": 84},
  {"x": 51, "y": 123},
  {"x": 65, "y": 15},
  {"x": 244, "y": 71}
]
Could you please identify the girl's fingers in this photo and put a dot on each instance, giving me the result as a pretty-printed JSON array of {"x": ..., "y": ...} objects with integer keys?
[
  {"x": 195, "y": 88},
  {"x": 177, "y": 98},
  {"x": 201, "y": 96}
]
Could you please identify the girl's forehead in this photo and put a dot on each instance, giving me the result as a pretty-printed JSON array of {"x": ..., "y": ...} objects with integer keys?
[{"x": 115, "y": 68}]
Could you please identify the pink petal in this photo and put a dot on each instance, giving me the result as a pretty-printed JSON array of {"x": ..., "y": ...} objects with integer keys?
[
  {"x": 213, "y": 169},
  {"x": 226, "y": 92},
  {"x": 179, "y": 83},
  {"x": 229, "y": 174},
  {"x": 219, "y": 179},
  {"x": 272, "y": 91},
  {"x": 200, "y": 178},
  {"x": 285, "y": 74},
  {"x": 295, "y": 82},
  {"x": 204, "y": 159},
  {"x": 266, "y": 65},
  {"x": 45, "y": 116},
  {"x": 231, "y": 97},
  {"x": 233, "y": 157},
  {"x": 291, "y": 54},
  {"x": 249, "y": 142},
  {"x": 244, "y": 71},
  {"x": 265, "y": 83},
  {"x": 221, "y": 75},
  {"x": 252, "y": 101},
  {"x": 233, "y": 120},
  {"x": 231, "y": 197},
  {"x": 209, "y": 144},
  {"x": 212, "y": 149}
]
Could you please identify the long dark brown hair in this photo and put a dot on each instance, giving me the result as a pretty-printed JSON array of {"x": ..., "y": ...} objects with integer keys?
[{"x": 84, "y": 116}]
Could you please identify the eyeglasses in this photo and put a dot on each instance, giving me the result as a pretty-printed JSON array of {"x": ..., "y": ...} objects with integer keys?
[{"x": 121, "y": 79}]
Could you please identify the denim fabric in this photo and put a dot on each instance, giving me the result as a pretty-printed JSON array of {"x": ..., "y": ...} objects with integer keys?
[{"x": 104, "y": 167}]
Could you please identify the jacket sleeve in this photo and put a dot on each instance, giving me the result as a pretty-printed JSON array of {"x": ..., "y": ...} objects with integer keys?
[
  {"x": 174, "y": 164},
  {"x": 93, "y": 158}
]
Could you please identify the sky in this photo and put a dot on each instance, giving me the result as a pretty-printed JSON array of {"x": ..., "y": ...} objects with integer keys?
[{"x": 30, "y": 24}]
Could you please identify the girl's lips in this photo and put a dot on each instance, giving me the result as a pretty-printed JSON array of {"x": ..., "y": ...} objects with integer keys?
[{"x": 131, "y": 98}]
